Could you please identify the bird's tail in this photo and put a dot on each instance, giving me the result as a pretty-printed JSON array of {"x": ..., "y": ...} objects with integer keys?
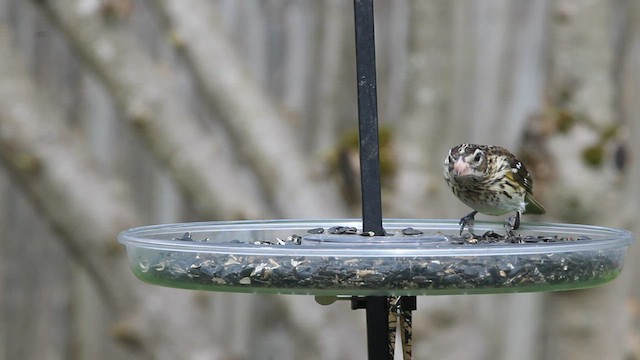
[{"x": 533, "y": 207}]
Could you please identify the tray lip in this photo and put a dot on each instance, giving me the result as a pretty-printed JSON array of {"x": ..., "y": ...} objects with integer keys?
[{"x": 134, "y": 238}]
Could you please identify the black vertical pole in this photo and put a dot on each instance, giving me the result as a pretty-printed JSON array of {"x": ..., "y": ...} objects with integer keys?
[
  {"x": 376, "y": 306},
  {"x": 368, "y": 117}
]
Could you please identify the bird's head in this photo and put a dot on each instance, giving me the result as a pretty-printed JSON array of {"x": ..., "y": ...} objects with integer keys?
[{"x": 466, "y": 160}]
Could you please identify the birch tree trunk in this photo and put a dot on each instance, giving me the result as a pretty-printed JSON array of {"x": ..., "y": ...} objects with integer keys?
[{"x": 586, "y": 76}]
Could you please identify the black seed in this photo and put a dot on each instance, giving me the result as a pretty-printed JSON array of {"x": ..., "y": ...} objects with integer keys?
[
  {"x": 247, "y": 271},
  {"x": 194, "y": 269},
  {"x": 450, "y": 279},
  {"x": 343, "y": 230},
  {"x": 492, "y": 235},
  {"x": 411, "y": 231},
  {"x": 296, "y": 239},
  {"x": 318, "y": 230}
]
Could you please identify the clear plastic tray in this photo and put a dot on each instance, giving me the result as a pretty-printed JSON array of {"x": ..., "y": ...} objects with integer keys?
[{"x": 293, "y": 257}]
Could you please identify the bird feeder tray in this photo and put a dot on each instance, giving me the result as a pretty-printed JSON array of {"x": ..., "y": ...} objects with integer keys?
[{"x": 333, "y": 257}]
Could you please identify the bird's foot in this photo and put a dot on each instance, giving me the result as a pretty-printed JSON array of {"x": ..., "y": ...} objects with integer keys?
[
  {"x": 467, "y": 221},
  {"x": 512, "y": 223}
]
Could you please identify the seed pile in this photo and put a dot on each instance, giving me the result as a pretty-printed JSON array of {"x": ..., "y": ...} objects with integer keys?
[{"x": 402, "y": 275}]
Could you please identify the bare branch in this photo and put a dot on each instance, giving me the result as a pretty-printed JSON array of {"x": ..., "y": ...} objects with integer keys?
[
  {"x": 423, "y": 132},
  {"x": 146, "y": 94},
  {"x": 262, "y": 133},
  {"x": 87, "y": 207},
  {"x": 331, "y": 69},
  {"x": 54, "y": 168}
]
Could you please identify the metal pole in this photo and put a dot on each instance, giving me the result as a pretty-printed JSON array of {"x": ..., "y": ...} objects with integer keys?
[
  {"x": 377, "y": 309},
  {"x": 368, "y": 117}
]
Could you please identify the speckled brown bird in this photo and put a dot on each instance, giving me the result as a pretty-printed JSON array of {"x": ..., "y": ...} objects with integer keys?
[{"x": 492, "y": 181}]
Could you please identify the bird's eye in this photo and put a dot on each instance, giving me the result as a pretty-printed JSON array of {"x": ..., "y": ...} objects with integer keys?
[
  {"x": 450, "y": 158},
  {"x": 477, "y": 157}
]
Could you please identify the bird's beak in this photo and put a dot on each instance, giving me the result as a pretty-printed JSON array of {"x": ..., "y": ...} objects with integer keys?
[{"x": 461, "y": 168}]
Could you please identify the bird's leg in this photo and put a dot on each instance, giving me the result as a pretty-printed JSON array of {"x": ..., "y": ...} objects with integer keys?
[
  {"x": 467, "y": 221},
  {"x": 512, "y": 223}
]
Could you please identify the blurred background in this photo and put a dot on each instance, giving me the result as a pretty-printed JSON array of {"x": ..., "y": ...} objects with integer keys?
[{"x": 121, "y": 113}]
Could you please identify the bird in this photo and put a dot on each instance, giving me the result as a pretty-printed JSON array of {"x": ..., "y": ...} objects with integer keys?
[{"x": 492, "y": 181}]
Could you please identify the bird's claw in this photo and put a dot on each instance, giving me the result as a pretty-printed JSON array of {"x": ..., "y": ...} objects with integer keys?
[
  {"x": 512, "y": 223},
  {"x": 467, "y": 221},
  {"x": 508, "y": 228}
]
